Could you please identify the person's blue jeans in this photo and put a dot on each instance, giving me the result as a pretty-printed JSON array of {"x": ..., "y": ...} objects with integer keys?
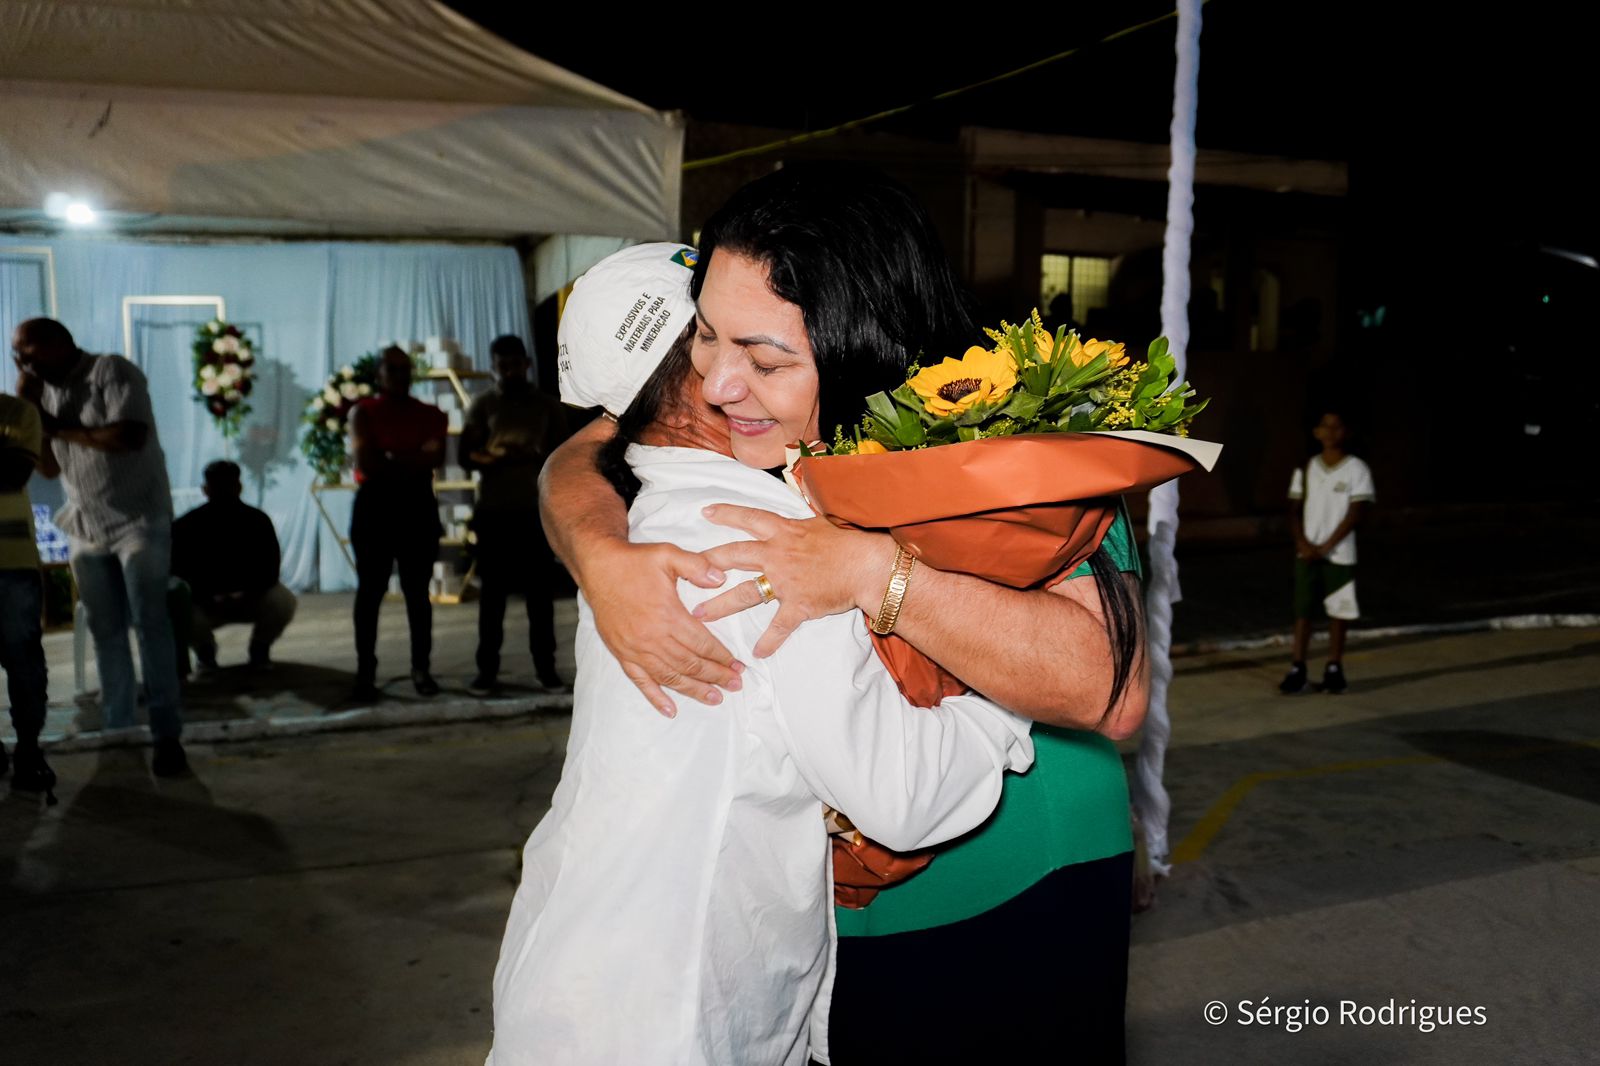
[
  {"x": 122, "y": 583},
  {"x": 22, "y": 650}
]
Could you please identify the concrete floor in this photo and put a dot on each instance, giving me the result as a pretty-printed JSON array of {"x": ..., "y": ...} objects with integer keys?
[
  {"x": 1434, "y": 834},
  {"x": 314, "y": 670}
]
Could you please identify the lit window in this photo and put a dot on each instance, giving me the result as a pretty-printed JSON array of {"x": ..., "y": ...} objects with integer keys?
[{"x": 1086, "y": 278}]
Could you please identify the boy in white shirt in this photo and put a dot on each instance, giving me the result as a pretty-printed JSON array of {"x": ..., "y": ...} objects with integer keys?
[{"x": 1328, "y": 497}]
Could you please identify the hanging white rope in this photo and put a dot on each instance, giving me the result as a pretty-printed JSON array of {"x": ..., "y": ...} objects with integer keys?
[{"x": 1149, "y": 794}]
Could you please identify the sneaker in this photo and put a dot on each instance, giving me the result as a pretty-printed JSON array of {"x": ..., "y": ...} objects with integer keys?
[
  {"x": 1333, "y": 679},
  {"x": 169, "y": 761},
  {"x": 424, "y": 683},
  {"x": 552, "y": 680},
  {"x": 30, "y": 772},
  {"x": 484, "y": 685},
  {"x": 1294, "y": 681}
]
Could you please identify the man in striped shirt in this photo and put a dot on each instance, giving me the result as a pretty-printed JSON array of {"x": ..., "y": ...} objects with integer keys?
[{"x": 100, "y": 439}]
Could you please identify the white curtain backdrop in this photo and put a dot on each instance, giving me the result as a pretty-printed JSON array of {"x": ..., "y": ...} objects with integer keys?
[{"x": 310, "y": 308}]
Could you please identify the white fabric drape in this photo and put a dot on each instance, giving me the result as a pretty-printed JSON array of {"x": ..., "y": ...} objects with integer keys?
[
  {"x": 311, "y": 307},
  {"x": 383, "y": 118},
  {"x": 1149, "y": 794}
]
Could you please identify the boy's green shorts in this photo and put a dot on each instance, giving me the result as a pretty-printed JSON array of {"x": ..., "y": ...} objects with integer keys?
[{"x": 1314, "y": 581}]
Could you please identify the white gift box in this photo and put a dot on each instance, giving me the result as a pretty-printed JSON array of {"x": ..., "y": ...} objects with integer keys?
[
  {"x": 433, "y": 344},
  {"x": 440, "y": 360},
  {"x": 463, "y": 512}
]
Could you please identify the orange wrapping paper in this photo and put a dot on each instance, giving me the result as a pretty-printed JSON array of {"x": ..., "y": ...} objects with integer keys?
[{"x": 1017, "y": 511}]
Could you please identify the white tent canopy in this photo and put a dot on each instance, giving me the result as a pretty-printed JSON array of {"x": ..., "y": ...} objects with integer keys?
[{"x": 330, "y": 117}]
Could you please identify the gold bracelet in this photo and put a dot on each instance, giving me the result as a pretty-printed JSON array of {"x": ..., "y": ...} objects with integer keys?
[{"x": 895, "y": 594}]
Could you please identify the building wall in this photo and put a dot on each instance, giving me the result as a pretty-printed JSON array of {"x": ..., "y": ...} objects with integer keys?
[{"x": 996, "y": 228}]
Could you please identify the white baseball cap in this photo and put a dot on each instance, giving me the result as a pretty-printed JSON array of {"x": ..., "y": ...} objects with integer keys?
[{"x": 620, "y": 321}]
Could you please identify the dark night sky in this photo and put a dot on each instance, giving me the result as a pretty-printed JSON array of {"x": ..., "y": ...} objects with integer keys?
[
  {"x": 1452, "y": 115},
  {"x": 809, "y": 75}
]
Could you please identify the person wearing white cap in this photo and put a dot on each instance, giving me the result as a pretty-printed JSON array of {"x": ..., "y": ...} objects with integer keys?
[
  {"x": 620, "y": 320},
  {"x": 817, "y": 287},
  {"x": 675, "y": 901}
]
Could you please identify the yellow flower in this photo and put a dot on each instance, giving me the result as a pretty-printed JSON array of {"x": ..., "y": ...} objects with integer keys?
[
  {"x": 871, "y": 447},
  {"x": 1043, "y": 340},
  {"x": 1113, "y": 352},
  {"x": 955, "y": 385},
  {"x": 1045, "y": 345}
]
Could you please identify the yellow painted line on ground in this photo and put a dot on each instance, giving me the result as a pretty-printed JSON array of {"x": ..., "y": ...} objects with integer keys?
[{"x": 1195, "y": 842}]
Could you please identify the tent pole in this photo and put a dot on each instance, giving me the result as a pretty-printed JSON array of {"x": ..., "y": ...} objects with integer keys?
[{"x": 1150, "y": 798}]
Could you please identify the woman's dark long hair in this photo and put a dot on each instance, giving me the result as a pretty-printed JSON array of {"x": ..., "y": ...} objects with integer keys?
[
  {"x": 860, "y": 257},
  {"x": 1124, "y": 615}
]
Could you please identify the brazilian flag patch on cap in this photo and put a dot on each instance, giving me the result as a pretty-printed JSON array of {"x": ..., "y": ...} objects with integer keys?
[{"x": 686, "y": 257}]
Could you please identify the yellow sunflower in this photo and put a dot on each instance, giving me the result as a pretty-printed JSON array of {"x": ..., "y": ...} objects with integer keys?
[
  {"x": 1112, "y": 350},
  {"x": 955, "y": 385}
]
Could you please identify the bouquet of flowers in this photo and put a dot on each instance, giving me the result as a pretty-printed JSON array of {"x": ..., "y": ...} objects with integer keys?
[
  {"x": 1008, "y": 464},
  {"x": 328, "y": 413},
  {"x": 224, "y": 373}
]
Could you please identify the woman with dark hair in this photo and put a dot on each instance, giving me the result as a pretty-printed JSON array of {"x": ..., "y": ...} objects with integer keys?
[
  {"x": 815, "y": 288},
  {"x": 675, "y": 904}
]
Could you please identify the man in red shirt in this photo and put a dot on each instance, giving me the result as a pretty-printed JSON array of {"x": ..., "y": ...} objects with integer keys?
[{"x": 398, "y": 442}]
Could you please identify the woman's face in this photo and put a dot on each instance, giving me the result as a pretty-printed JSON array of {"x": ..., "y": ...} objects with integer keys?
[{"x": 753, "y": 352}]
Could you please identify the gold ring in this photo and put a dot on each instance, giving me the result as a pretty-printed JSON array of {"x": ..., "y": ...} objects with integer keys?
[{"x": 764, "y": 587}]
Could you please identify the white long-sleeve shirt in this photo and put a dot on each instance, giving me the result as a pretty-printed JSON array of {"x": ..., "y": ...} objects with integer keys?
[{"x": 676, "y": 901}]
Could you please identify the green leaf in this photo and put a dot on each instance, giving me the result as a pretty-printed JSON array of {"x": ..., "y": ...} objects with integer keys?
[
  {"x": 907, "y": 397},
  {"x": 1080, "y": 423},
  {"x": 975, "y": 414},
  {"x": 1150, "y": 391},
  {"x": 1157, "y": 350},
  {"x": 967, "y": 433},
  {"x": 1088, "y": 374},
  {"x": 910, "y": 433},
  {"x": 1023, "y": 406},
  {"x": 1036, "y": 379},
  {"x": 1057, "y": 407},
  {"x": 885, "y": 412}
]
